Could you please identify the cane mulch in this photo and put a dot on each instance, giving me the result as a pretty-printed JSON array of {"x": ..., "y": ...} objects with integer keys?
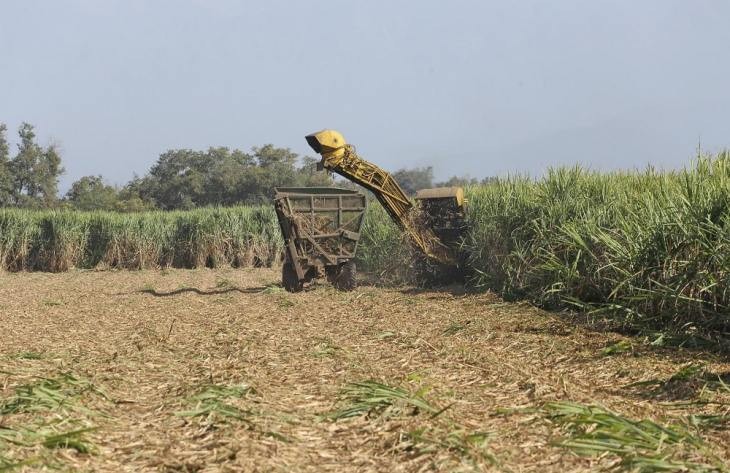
[{"x": 221, "y": 370}]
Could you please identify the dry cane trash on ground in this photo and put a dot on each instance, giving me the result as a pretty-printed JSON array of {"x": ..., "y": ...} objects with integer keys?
[{"x": 221, "y": 370}]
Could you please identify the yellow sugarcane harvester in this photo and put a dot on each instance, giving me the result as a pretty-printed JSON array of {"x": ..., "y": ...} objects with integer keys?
[{"x": 434, "y": 223}]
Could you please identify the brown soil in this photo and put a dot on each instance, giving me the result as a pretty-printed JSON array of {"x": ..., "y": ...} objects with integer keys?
[{"x": 151, "y": 340}]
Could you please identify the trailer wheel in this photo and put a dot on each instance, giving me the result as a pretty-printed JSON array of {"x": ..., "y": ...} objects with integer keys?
[
  {"x": 289, "y": 278},
  {"x": 344, "y": 280}
]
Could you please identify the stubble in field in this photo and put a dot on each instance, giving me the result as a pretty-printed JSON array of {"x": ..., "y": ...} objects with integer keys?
[{"x": 224, "y": 371}]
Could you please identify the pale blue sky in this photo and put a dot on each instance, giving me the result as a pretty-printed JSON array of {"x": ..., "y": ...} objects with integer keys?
[{"x": 478, "y": 87}]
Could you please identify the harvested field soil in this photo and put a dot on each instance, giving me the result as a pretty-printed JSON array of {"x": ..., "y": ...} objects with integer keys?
[{"x": 221, "y": 370}]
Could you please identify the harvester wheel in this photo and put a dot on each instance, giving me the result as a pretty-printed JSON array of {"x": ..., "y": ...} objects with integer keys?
[
  {"x": 344, "y": 280},
  {"x": 289, "y": 278}
]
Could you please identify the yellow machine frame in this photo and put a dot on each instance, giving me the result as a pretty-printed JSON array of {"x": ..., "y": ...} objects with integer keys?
[{"x": 340, "y": 157}]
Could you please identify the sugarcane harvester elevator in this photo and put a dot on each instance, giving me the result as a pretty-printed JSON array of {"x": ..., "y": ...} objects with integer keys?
[{"x": 434, "y": 223}]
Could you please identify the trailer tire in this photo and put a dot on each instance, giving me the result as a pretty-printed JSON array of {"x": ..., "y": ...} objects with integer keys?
[
  {"x": 345, "y": 278},
  {"x": 289, "y": 278}
]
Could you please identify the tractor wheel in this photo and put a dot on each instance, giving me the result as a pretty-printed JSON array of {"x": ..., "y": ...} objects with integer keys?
[
  {"x": 344, "y": 280},
  {"x": 289, "y": 278}
]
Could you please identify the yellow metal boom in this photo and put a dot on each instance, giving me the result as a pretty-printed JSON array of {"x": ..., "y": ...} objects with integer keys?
[{"x": 340, "y": 157}]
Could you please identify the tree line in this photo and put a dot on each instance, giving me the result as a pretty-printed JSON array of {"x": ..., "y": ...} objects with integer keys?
[{"x": 179, "y": 179}]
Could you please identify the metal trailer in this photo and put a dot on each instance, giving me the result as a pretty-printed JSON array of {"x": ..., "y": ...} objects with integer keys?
[{"x": 321, "y": 228}]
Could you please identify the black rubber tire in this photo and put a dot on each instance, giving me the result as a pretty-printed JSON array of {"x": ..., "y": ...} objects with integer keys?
[
  {"x": 289, "y": 278},
  {"x": 345, "y": 278}
]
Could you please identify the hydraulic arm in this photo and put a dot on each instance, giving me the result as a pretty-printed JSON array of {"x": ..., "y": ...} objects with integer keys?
[{"x": 340, "y": 157}]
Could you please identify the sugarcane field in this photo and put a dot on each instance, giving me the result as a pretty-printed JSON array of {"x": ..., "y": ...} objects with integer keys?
[{"x": 340, "y": 236}]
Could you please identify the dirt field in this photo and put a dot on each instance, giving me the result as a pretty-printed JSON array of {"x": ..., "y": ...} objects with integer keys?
[{"x": 223, "y": 371}]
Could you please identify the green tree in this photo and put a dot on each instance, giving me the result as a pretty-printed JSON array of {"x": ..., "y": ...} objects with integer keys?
[
  {"x": 182, "y": 179},
  {"x": 129, "y": 198},
  {"x": 309, "y": 176},
  {"x": 415, "y": 179},
  {"x": 458, "y": 181},
  {"x": 269, "y": 156},
  {"x": 6, "y": 180},
  {"x": 177, "y": 180},
  {"x": 224, "y": 178},
  {"x": 276, "y": 168},
  {"x": 35, "y": 171},
  {"x": 90, "y": 193}
]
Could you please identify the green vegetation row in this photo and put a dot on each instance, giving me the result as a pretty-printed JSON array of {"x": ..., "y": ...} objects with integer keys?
[
  {"x": 241, "y": 236},
  {"x": 645, "y": 249},
  {"x": 56, "y": 240}
]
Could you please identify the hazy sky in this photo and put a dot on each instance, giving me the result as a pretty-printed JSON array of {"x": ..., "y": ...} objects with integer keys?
[{"x": 478, "y": 87}]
